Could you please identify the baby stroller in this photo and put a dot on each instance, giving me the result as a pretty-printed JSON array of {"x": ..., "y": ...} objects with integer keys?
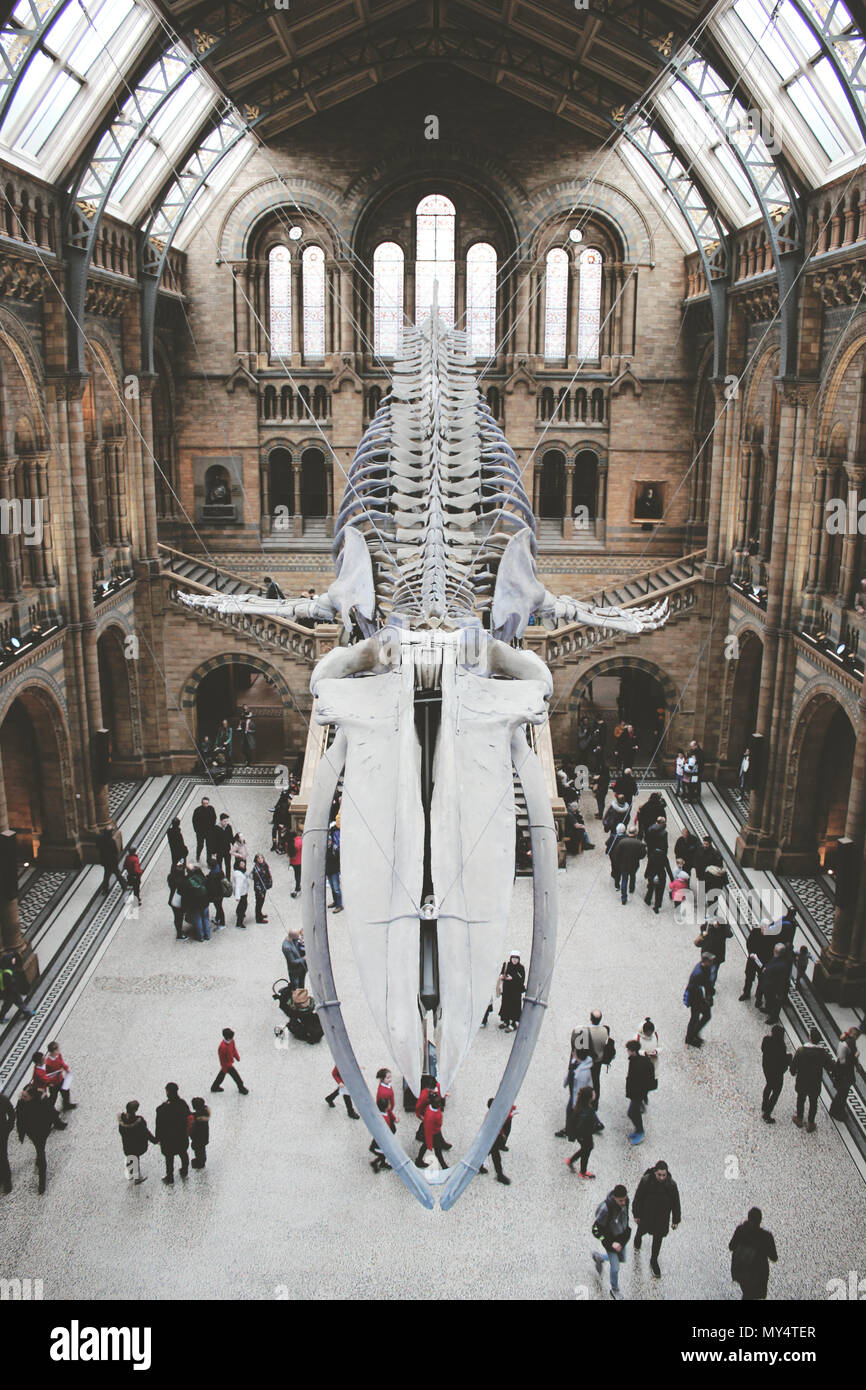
[{"x": 300, "y": 1010}]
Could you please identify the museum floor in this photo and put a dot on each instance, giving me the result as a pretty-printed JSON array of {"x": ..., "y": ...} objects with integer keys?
[{"x": 287, "y": 1205}]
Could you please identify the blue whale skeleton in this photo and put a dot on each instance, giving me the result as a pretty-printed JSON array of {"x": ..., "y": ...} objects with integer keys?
[{"x": 435, "y": 559}]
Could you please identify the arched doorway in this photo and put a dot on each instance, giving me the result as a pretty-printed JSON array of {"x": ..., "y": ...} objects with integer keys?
[
  {"x": 221, "y": 694},
  {"x": 585, "y": 487},
  {"x": 314, "y": 485},
  {"x": 825, "y": 738},
  {"x": 551, "y": 486},
  {"x": 281, "y": 492},
  {"x": 626, "y": 692},
  {"x": 744, "y": 696},
  {"x": 34, "y": 764},
  {"x": 114, "y": 688}
]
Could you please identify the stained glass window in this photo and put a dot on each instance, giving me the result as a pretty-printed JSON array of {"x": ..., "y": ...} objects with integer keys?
[
  {"x": 313, "y": 262},
  {"x": 481, "y": 299},
  {"x": 280, "y": 290},
  {"x": 556, "y": 303},
  {"x": 434, "y": 257},
  {"x": 589, "y": 305},
  {"x": 387, "y": 299}
]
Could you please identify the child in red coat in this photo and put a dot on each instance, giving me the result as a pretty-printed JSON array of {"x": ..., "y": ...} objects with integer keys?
[
  {"x": 432, "y": 1123},
  {"x": 228, "y": 1055},
  {"x": 341, "y": 1091},
  {"x": 132, "y": 869}
]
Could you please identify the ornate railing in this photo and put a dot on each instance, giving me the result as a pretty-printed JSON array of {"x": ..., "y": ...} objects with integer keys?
[{"x": 279, "y": 635}]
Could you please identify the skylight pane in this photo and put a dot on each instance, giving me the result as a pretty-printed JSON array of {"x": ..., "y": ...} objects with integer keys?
[
  {"x": 51, "y": 108},
  {"x": 810, "y": 105}
]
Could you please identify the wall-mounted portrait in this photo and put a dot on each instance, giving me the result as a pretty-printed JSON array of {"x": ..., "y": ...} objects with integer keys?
[{"x": 648, "y": 502}]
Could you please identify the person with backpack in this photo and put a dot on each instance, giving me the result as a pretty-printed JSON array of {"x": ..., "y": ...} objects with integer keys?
[
  {"x": 775, "y": 1061},
  {"x": 578, "y": 1078},
  {"x": 612, "y": 1229},
  {"x": 222, "y": 838},
  {"x": 295, "y": 853},
  {"x": 332, "y": 866},
  {"x": 617, "y": 814},
  {"x": 172, "y": 1132},
  {"x": 195, "y": 901},
  {"x": 262, "y": 881},
  {"x": 582, "y": 1131},
  {"x": 199, "y": 1131},
  {"x": 228, "y": 1055},
  {"x": 135, "y": 1137},
  {"x": 808, "y": 1066},
  {"x": 176, "y": 885},
  {"x": 698, "y": 999},
  {"x": 241, "y": 890},
  {"x": 639, "y": 1081},
  {"x": 656, "y": 1209},
  {"x": 11, "y": 992},
  {"x": 218, "y": 888},
  {"x": 596, "y": 1038},
  {"x": 752, "y": 1249}
]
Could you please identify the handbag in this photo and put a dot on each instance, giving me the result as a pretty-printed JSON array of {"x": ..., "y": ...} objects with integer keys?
[
  {"x": 176, "y": 899},
  {"x": 225, "y": 888}
]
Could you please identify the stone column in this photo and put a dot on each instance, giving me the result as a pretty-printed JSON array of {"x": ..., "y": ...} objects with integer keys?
[
  {"x": 742, "y": 538},
  {"x": 146, "y": 386},
  {"x": 601, "y": 506},
  {"x": 573, "y": 312},
  {"x": 810, "y": 604},
  {"x": 10, "y": 545},
  {"x": 409, "y": 306},
  {"x": 715, "y": 554},
  {"x": 297, "y": 314},
  {"x": 568, "y": 519},
  {"x": 347, "y": 334},
  {"x": 521, "y": 325},
  {"x": 298, "y": 523},
  {"x": 848, "y": 576},
  {"x": 265, "y": 492},
  {"x": 40, "y": 462},
  {"x": 10, "y": 922}
]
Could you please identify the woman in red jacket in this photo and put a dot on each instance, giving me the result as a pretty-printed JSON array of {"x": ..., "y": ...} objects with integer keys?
[
  {"x": 59, "y": 1074},
  {"x": 295, "y": 861}
]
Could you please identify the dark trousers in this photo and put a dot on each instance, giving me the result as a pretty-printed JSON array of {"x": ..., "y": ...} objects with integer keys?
[
  {"x": 635, "y": 1114},
  {"x": 699, "y": 1017},
  {"x": 224, "y": 858},
  {"x": 487, "y": 1012},
  {"x": 812, "y": 1097},
  {"x": 347, "y": 1101},
  {"x": 169, "y": 1164},
  {"x": 438, "y": 1150},
  {"x": 107, "y": 871},
  {"x": 496, "y": 1158},
  {"x": 221, "y": 1076},
  {"x": 260, "y": 902},
  {"x": 219, "y": 915},
  {"x": 583, "y": 1154},
  {"x": 41, "y": 1166},
  {"x": 596, "y": 1081},
  {"x": 655, "y": 891},
  {"x": 5, "y": 1171},
  {"x": 296, "y": 870},
  {"x": 772, "y": 1091},
  {"x": 840, "y": 1100},
  {"x": 656, "y": 1240},
  {"x": 241, "y": 912},
  {"x": 10, "y": 997},
  {"x": 135, "y": 884},
  {"x": 626, "y": 885},
  {"x": 199, "y": 1155},
  {"x": 200, "y": 842},
  {"x": 178, "y": 920}
]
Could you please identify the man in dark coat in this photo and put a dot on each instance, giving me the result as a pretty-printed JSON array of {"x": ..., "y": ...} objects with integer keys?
[
  {"x": 11, "y": 982},
  {"x": 649, "y": 812},
  {"x": 176, "y": 842},
  {"x": 656, "y": 1207},
  {"x": 686, "y": 849},
  {"x": 844, "y": 1071},
  {"x": 625, "y": 857},
  {"x": 699, "y": 998},
  {"x": 203, "y": 823},
  {"x": 759, "y": 947},
  {"x": 639, "y": 1081},
  {"x": 7, "y": 1124},
  {"x": 707, "y": 854},
  {"x": 172, "y": 1132},
  {"x": 36, "y": 1117},
  {"x": 109, "y": 858},
  {"x": 775, "y": 1060},
  {"x": 808, "y": 1066},
  {"x": 752, "y": 1248},
  {"x": 775, "y": 978},
  {"x": 626, "y": 786},
  {"x": 222, "y": 845},
  {"x": 714, "y": 940}
]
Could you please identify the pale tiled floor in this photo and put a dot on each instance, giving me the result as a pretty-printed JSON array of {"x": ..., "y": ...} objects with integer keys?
[{"x": 288, "y": 1200}]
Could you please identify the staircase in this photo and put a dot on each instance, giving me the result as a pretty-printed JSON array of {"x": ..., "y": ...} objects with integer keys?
[
  {"x": 203, "y": 575},
  {"x": 315, "y": 529}
]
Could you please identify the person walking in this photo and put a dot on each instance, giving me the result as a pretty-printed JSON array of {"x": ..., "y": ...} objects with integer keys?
[
  {"x": 222, "y": 844},
  {"x": 216, "y": 892},
  {"x": 582, "y": 1129},
  {"x": 176, "y": 886},
  {"x": 752, "y": 1249},
  {"x": 7, "y": 1124},
  {"x": 297, "y": 849},
  {"x": 685, "y": 851},
  {"x": 135, "y": 1137},
  {"x": 759, "y": 950},
  {"x": 241, "y": 890},
  {"x": 432, "y": 1140},
  {"x": 625, "y": 858},
  {"x": 713, "y": 938},
  {"x": 296, "y": 959},
  {"x": 649, "y": 1043},
  {"x": 612, "y": 1229},
  {"x": 577, "y": 1078},
  {"x": 385, "y": 1091},
  {"x": 844, "y": 1071},
  {"x": 775, "y": 979},
  {"x": 172, "y": 1132},
  {"x": 499, "y": 1147},
  {"x": 616, "y": 814},
  {"x": 698, "y": 998},
  {"x": 341, "y": 1091},
  {"x": 11, "y": 991},
  {"x": 596, "y": 1038},
  {"x": 176, "y": 842},
  {"x": 262, "y": 881},
  {"x": 59, "y": 1074},
  {"x": 109, "y": 858},
  {"x": 35, "y": 1117},
  {"x": 656, "y": 1209},
  {"x": 204, "y": 821},
  {"x": 379, "y": 1163},
  {"x": 195, "y": 901},
  {"x": 640, "y": 1080},
  {"x": 599, "y": 786},
  {"x": 332, "y": 866},
  {"x": 199, "y": 1131},
  {"x": 807, "y": 1067},
  {"x": 513, "y": 980},
  {"x": 775, "y": 1061},
  {"x": 228, "y": 1055},
  {"x": 132, "y": 870},
  {"x": 223, "y": 744}
]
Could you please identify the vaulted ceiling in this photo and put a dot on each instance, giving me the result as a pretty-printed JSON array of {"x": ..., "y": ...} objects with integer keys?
[{"x": 291, "y": 63}]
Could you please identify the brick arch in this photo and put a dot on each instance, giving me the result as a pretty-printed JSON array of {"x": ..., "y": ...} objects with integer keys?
[
  {"x": 120, "y": 702},
  {"x": 247, "y": 211},
  {"x": 608, "y": 665},
  {"x": 811, "y": 720},
  {"x": 194, "y": 680},
  {"x": 734, "y": 690},
  {"x": 845, "y": 352},
  {"x": 609, "y": 203},
  {"x": 494, "y": 179},
  {"x": 53, "y": 749},
  {"x": 756, "y": 380}
]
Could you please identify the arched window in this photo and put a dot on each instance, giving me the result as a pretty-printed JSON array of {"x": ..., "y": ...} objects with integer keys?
[
  {"x": 589, "y": 307},
  {"x": 563, "y": 405},
  {"x": 547, "y": 403},
  {"x": 320, "y": 403},
  {"x": 434, "y": 256},
  {"x": 494, "y": 401},
  {"x": 551, "y": 492},
  {"x": 313, "y": 263},
  {"x": 481, "y": 299},
  {"x": 374, "y": 400},
  {"x": 280, "y": 299},
  {"x": 286, "y": 403},
  {"x": 598, "y": 406},
  {"x": 556, "y": 304},
  {"x": 580, "y": 405},
  {"x": 270, "y": 402},
  {"x": 280, "y": 487},
  {"x": 585, "y": 486},
  {"x": 387, "y": 299}
]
